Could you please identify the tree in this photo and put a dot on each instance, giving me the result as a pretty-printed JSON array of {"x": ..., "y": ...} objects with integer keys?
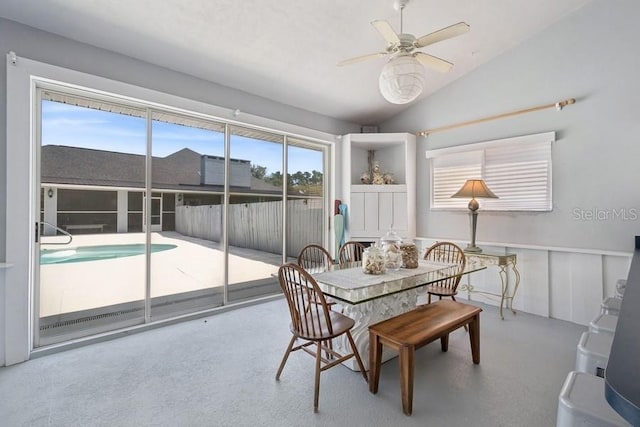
[
  {"x": 275, "y": 178},
  {"x": 316, "y": 177},
  {"x": 258, "y": 171},
  {"x": 302, "y": 182}
]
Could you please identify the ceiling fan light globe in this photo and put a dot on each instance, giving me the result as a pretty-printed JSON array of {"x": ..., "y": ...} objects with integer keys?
[{"x": 402, "y": 79}]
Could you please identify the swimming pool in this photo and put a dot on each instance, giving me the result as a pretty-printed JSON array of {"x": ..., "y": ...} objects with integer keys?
[{"x": 97, "y": 253}]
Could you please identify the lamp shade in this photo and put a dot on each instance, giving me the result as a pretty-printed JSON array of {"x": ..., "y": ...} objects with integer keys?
[
  {"x": 402, "y": 79},
  {"x": 471, "y": 189},
  {"x": 475, "y": 188}
]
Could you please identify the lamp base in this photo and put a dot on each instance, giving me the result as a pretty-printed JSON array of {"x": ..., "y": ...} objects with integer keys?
[{"x": 473, "y": 222}]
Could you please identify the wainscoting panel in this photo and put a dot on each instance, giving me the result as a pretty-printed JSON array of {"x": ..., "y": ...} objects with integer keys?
[
  {"x": 560, "y": 285},
  {"x": 533, "y": 292},
  {"x": 563, "y": 283},
  {"x": 587, "y": 289},
  {"x": 613, "y": 269}
]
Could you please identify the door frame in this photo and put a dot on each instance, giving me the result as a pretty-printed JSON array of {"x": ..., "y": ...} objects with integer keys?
[{"x": 154, "y": 227}]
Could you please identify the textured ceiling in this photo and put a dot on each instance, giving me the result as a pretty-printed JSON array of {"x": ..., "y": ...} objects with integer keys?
[{"x": 287, "y": 50}]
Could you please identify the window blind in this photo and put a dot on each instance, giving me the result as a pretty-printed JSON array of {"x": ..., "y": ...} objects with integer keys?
[
  {"x": 517, "y": 170},
  {"x": 449, "y": 173}
]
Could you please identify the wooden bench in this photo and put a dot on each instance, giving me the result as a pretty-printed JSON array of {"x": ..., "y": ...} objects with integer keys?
[{"x": 414, "y": 329}]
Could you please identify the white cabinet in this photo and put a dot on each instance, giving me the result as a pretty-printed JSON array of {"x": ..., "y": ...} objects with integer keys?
[
  {"x": 375, "y": 209},
  {"x": 372, "y": 210}
]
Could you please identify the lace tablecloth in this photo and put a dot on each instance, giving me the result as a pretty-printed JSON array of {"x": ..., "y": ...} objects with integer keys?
[{"x": 354, "y": 278}]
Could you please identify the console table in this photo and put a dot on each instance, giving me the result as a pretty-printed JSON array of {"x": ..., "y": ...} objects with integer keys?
[{"x": 503, "y": 262}]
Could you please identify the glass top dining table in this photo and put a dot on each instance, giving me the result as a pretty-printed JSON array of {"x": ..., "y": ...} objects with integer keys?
[{"x": 349, "y": 284}]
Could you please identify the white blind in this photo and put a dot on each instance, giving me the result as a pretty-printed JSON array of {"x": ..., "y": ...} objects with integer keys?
[
  {"x": 517, "y": 170},
  {"x": 449, "y": 173}
]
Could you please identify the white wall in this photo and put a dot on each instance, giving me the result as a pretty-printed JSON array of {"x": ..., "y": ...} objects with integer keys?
[{"x": 592, "y": 55}]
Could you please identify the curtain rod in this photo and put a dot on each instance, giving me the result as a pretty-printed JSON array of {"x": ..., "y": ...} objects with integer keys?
[{"x": 557, "y": 105}]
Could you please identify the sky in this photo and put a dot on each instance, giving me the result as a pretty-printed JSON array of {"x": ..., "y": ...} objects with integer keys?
[{"x": 69, "y": 125}]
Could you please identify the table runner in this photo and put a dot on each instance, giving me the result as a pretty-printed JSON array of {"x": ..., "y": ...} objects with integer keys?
[{"x": 354, "y": 278}]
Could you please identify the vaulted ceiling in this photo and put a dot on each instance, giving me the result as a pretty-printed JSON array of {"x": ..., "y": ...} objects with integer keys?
[{"x": 287, "y": 50}]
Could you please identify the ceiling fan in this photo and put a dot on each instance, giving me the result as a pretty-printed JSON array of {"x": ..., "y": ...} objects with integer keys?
[{"x": 402, "y": 78}]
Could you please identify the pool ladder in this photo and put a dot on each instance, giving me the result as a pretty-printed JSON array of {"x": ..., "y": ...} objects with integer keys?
[{"x": 40, "y": 226}]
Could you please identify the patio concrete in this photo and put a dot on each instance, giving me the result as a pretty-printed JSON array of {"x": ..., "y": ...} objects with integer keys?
[{"x": 195, "y": 264}]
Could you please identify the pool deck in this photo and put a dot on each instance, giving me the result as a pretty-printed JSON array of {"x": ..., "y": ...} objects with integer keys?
[{"x": 194, "y": 264}]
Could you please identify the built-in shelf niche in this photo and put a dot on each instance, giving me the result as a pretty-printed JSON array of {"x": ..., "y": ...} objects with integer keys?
[
  {"x": 372, "y": 209},
  {"x": 390, "y": 157}
]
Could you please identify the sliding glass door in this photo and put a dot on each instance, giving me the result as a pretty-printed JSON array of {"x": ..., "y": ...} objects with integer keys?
[
  {"x": 188, "y": 173},
  {"x": 148, "y": 213},
  {"x": 255, "y": 212},
  {"x": 91, "y": 268},
  {"x": 306, "y": 216}
]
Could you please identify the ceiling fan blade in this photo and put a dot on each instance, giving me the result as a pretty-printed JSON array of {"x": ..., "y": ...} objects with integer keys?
[
  {"x": 433, "y": 62},
  {"x": 443, "y": 34},
  {"x": 385, "y": 29},
  {"x": 361, "y": 58}
]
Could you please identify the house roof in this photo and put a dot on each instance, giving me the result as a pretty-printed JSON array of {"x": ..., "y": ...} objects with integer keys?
[
  {"x": 84, "y": 166},
  {"x": 66, "y": 165}
]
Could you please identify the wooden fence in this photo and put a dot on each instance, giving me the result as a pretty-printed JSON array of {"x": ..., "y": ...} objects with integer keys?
[{"x": 256, "y": 225}]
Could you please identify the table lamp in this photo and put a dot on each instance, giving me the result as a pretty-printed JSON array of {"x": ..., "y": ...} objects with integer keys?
[{"x": 474, "y": 188}]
